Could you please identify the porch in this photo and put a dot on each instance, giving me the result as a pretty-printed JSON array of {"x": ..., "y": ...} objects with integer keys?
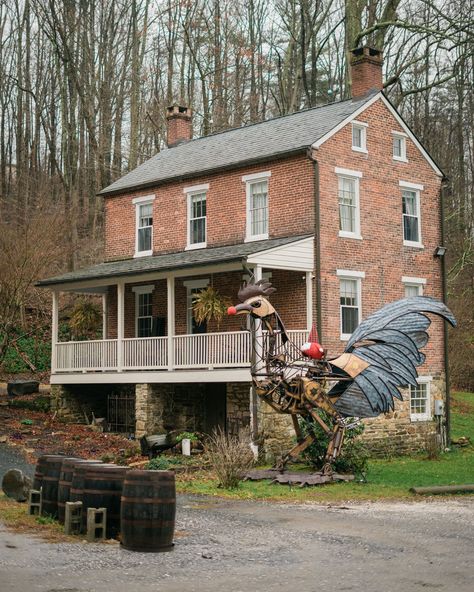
[{"x": 149, "y": 334}]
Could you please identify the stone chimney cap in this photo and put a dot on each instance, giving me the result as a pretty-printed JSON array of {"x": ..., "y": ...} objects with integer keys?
[
  {"x": 367, "y": 52},
  {"x": 176, "y": 110}
]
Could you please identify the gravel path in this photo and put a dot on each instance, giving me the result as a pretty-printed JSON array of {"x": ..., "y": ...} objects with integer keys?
[{"x": 259, "y": 547}]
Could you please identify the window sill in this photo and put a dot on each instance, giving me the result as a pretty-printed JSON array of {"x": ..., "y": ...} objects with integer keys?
[
  {"x": 250, "y": 239},
  {"x": 416, "y": 418},
  {"x": 362, "y": 150},
  {"x": 413, "y": 245},
  {"x": 400, "y": 159},
  {"x": 195, "y": 246},
  {"x": 345, "y": 234},
  {"x": 345, "y": 336},
  {"x": 143, "y": 254}
]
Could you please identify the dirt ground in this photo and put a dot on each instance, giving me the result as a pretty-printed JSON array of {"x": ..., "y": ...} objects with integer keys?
[{"x": 253, "y": 546}]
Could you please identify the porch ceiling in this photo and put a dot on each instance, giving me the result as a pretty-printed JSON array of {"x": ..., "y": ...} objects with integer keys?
[{"x": 282, "y": 253}]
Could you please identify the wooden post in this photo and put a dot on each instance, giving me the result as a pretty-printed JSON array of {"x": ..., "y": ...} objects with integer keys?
[
  {"x": 54, "y": 331},
  {"x": 309, "y": 300},
  {"x": 104, "y": 316},
  {"x": 120, "y": 324},
  {"x": 171, "y": 320}
]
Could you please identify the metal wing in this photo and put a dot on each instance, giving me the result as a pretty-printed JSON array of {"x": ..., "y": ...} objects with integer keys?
[{"x": 386, "y": 346}]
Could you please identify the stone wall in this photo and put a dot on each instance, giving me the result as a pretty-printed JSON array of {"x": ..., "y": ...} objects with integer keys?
[
  {"x": 276, "y": 433},
  {"x": 395, "y": 433},
  {"x": 238, "y": 406}
]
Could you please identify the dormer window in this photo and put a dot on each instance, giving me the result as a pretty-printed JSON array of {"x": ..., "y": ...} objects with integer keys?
[
  {"x": 359, "y": 136},
  {"x": 197, "y": 215},
  {"x": 399, "y": 146},
  {"x": 144, "y": 225}
]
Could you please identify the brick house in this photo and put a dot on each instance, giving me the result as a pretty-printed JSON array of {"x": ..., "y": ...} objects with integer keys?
[{"x": 339, "y": 205}]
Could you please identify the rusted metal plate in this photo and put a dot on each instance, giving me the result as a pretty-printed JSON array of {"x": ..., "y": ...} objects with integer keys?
[{"x": 301, "y": 479}]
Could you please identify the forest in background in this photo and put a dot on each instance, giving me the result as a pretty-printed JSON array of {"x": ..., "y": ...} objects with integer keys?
[{"x": 84, "y": 87}]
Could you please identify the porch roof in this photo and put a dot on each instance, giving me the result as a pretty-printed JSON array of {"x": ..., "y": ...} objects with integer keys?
[{"x": 176, "y": 261}]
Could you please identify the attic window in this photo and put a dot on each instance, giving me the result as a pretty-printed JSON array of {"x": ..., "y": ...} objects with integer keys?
[
  {"x": 359, "y": 136},
  {"x": 399, "y": 146}
]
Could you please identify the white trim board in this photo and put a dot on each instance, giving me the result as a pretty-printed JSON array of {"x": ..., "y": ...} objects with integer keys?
[
  {"x": 153, "y": 377},
  {"x": 395, "y": 114}
]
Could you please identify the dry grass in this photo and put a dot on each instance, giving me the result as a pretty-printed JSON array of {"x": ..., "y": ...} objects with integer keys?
[
  {"x": 15, "y": 517},
  {"x": 229, "y": 457}
]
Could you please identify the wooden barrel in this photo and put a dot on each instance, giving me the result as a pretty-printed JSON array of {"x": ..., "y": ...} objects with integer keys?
[
  {"x": 64, "y": 484},
  {"x": 39, "y": 470},
  {"x": 148, "y": 510},
  {"x": 51, "y": 470},
  {"x": 76, "y": 491},
  {"x": 103, "y": 489}
]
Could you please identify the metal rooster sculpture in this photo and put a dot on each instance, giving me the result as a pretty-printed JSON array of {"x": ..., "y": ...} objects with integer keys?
[{"x": 380, "y": 357}]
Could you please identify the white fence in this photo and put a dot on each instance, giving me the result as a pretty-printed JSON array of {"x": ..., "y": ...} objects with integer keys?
[{"x": 207, "y": 350}]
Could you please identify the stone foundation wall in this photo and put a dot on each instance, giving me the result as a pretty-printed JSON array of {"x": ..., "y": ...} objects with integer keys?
[
  {"x": 161, "y": 408},
  {"x": 276, "y": 433},
  {"x": 238, "y": 407},
  {"x": 395, "y": 433}
]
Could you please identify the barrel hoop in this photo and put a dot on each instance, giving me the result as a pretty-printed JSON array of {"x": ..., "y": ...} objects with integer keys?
[
  {"x": 149, "y": 523},
  {"x": 149, "y": 500},
  {"x": 150, "y": 482},
  {"x": 102, "y": 491}
]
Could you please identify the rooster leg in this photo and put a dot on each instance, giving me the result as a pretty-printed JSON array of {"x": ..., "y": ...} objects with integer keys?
[
  {"x": 295, "y": 451},
  {"x": 334, "y": 448}
]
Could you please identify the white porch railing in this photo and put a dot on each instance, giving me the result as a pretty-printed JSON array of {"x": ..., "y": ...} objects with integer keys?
[
  {"x": 208, "y": 350},
  {"x": 86, "y": 355}
]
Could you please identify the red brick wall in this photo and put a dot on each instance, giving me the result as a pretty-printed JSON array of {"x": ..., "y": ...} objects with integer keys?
[
  {"x": 289, "y": 301},
  {"x": 381, "y": 253},
  {"x": 290, "y": 189}
]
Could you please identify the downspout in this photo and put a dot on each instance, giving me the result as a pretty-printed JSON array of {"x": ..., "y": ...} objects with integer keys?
[
  {"x": 445, "y": 323},
  {"x": 317, "y": 243}
]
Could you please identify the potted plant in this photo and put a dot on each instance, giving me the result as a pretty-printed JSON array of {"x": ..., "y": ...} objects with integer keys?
[{"x": 209, "y": 305}]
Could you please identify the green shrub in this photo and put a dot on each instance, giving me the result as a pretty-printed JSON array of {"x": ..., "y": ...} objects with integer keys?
[
  {"x": 187, "y": 436},
  {"x": 354, "y": 455},
  {"x": 162, "y": 463},
  {"x": 38, "y": 350},
  {"x": 38, "y": 404}
]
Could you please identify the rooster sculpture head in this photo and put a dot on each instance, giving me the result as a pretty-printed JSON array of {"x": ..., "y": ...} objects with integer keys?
[{"x": 253, "y": 300}]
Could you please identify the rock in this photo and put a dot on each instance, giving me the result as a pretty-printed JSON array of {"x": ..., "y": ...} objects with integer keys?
[
  {"x": 3, "y": 439},
  {"x": 16, "y": 484},
  {"x": 22, "y": 387}
]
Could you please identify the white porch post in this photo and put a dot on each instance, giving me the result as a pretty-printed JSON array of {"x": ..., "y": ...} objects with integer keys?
[
  {"x": 309, "y": 300},
  {"x": 104, "y": 316},
  {"x": 54, "y": 331},
  {"x": 171, "y": 319},
  {"x": 120, "y": 324},
  {"x": 257, "y": 272}
]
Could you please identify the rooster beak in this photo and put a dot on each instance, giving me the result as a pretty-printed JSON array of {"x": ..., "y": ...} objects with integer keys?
[{"x": 239, "y": 309}]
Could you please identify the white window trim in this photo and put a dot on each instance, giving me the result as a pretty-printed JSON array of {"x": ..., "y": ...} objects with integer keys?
[
  {"x": 355, "y": 176},
  {"x": 414, "y": 281},
  {"x": 248, "y": 180},
  {"x": 191, "y": 285},
  {"x": 137, "y": 202},
  {"x": 428, "y": 416},
  {"x": 190, "y": 191},
  {"x": 137, "y": 290},
  {"x": 363, "y": 127},
  {"x": 402, "y": 136},
  {"x": 347, "y": 274},
  {"x": 416, "y": 188}
]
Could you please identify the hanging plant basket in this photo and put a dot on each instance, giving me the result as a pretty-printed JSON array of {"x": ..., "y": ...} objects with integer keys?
[{"x": 209, "y": 305}]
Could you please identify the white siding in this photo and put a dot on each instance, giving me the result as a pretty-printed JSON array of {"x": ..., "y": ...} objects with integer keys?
[{"x": 297, "y": 256}]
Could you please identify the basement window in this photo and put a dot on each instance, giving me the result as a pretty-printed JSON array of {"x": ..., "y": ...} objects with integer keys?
[{"x": 420, "y": 401}]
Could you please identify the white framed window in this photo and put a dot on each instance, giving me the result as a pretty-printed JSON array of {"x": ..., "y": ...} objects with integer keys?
[
  {"x": 399, "y": 146},
  {"x": 413, "y": 286},
  {"x": 197, "y": 216},
  {"x": 420, "y": 399},
  {"x": 257, "y": 205},
  {"x": 192, "y": 288},
  {"x": 350, "y": 296},
  {"x": 359, "y": 136},
  {"x": 411, "y": 215},
  {"x": 143, "y": 310},
  {"x": 143, "y": 225},
  {"x": 349, "y": 202}
]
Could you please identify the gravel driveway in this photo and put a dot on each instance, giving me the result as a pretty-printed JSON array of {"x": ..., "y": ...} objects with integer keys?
[{"x": 259, "y": 547}]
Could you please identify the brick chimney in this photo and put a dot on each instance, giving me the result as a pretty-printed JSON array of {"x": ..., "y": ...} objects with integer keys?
[
  {"x": 179, "y": 122},
  {"x": 366, "y": 71}
]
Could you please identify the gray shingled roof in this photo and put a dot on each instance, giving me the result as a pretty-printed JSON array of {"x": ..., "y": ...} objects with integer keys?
[
  {"x": 235, "y": 147},
  {"x": 169, "y": 262}
]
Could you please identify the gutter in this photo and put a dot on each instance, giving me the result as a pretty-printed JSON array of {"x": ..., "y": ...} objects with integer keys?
[
  {"x": 444, "y": 284},
  {"x": 203, "y": 172},
  {"x": 317, "y": 243}
]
